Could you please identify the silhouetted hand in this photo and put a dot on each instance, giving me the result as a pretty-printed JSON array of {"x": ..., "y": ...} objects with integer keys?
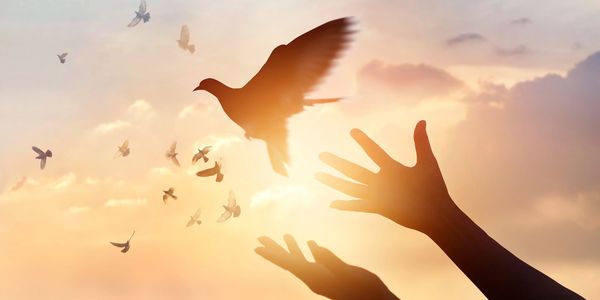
[
  {"x": 414, "y": 197},
  {"x": 328, "y": 276}
]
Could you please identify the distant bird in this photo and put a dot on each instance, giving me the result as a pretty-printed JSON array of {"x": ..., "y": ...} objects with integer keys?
[
  {"x": 123, "y": 150},
  {"x": 19, "y": 184},
  {"x": 140, "y": 15},
  {"x": 42, "y": 156},
  {"x": 276, "y": 92},
  {"x": 195, "y": 219},
  {"x": 184, "y": 40},
  {"x": 201, "y": 154},
  {"x": 125, "y": 245},
  {"x": 62, "y": 57},
  {"x": 230, "y": 209},
  {"x": 216, "y": 170},
  {"x": 169, "y": 194},
  {"x": 172, "y": 154}
]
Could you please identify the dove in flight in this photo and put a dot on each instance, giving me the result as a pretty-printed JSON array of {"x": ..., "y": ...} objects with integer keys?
[
  {"x": 140, "y": 14},
  {"x": 172, "y": 154},
  {"x": 125, "y": 245},
  {"x": 123, "y": 150},
  {"x": 62, "y": 57},
  {"x": 231, "y": 209},
  {"x": 195, "y": 219},
  {"x": 42, "y": 156},
  {"x": 263, "y": 105},
  {"x": 216, "y": 170},
  {"x": 19, "y": 184},
  {"x": 169, "y": 194},
  {"x": 184, "y": 40},
  {"x": 201, "y": 154}
]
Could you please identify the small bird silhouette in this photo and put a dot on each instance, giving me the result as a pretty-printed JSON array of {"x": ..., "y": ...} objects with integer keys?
[
  {"x": 184, "y": 40},
  {"x": 201, "y": 154},
  {"x": 19, "y": 184},
  {"x": 140, "y": 15},
  {"x": 42, "y": 156},
  {"x": 276, "y": 92},
  {"x": 62, "y": 57},
  {"x": 230, "y": 209},
  {"x": 172, "y": 154},
  {"x": 216, "y": 170},
  {"x": 169, "y": 194},
  {"x": 125, "y": 245},
  {"x": 195, "y": 219},
  {"x": 123, "y": 150}
]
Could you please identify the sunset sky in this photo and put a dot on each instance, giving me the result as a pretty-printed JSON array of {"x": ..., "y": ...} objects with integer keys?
[{"x": 510, "y": 91}]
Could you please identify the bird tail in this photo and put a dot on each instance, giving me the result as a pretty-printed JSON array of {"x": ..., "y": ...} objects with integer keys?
[
  {"x": 311, "y": 102},
  {"x": 205, "y": 158},
  {"x": 191, "y": 48},
  {"x": 277, "y": 160}
]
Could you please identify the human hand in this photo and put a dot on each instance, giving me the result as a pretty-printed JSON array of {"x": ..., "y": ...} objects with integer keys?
[
  {"x": 415, "y": 197},
  {"x": 328, "y": 276}
]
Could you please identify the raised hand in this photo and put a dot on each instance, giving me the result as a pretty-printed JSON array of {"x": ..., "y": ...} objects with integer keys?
[
  {"x": 414, "y": 197},
  {"x": 328, "y": 276}
]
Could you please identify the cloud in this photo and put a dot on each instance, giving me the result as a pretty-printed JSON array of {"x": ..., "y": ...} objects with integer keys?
[
  {"x": 280, "y": 193},
  {"x": 65, "y": 181},
  {"x": 111, "y": 126},
  {"x": 218, "y": 142},
  {"x": 518, "y": 50},
  {"x": 141, "y": 109},
  {"x": 193, "y": 109},
  {"x": 125, "y": 202},
  {"x": 521, "y": 22},
  {"x": 462, "y": 38}
]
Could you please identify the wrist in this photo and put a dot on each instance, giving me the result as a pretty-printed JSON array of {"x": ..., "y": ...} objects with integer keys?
[{"x": 446, "y": 219}]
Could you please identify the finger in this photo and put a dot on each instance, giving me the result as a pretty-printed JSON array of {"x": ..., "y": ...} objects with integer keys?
[
  {"x": 326, "y": 258},
  {"x": 274, "y": 257},
  {"x": 422, "y": 146},
  {"x": 351, "y": 205},
  {"x": 353, "y": 189},
  {"x": 346, "y": 167},
  {"x": 293, "y": 246},
  {"x": 271, "y": 244},
  {"x": 376, "y": 153}
]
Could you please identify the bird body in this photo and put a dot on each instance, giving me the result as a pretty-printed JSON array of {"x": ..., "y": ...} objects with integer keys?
[
  {"x": 42, "y": 156},
  {"x": 62, "y": 57},
  {"x": 170, "y": 193},
  {"x": 140, "y": 15},
  {"x": 231, "y": 209},
  {"x": 125, "y": 245},
  {"x": 201, "y": 154},
  {"x": 215, "y": 170},
  {"x": 263, "y": 105}
]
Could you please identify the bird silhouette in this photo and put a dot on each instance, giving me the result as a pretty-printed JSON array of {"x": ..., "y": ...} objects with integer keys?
[
  {"x": 140, "y": 14},
  {"x": 123, "y": 150},
  {"x": 184, "y": 40},
  {"x": 201, "y": 154},
  {"x": 195, "y": 219},
  {"x": 125, "y": 245},
  {"x": 231, "y": 209},
  {"x": 276, "y": 92},
  {"x": 19, "y": 184},
  {"x": 62, "y": 57},
  {"x": 42, "y": 156},
  {"x": 215, "y": 170},
  {"x": 172, "y": 154},
  {"x": 169, "y": 194}
]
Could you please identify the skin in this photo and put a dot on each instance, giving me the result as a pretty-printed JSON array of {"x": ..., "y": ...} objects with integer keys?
[{"x": 416, "y": 197}]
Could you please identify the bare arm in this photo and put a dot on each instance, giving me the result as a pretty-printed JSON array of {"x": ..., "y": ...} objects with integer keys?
[{"x": 416, "y": 197}]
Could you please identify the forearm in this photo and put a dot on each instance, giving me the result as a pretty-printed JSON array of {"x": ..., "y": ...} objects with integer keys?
[{"x": 494, "y": 270}]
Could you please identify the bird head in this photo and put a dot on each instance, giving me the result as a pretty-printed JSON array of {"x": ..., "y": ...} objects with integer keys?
[{"x": 212, "y": 86}]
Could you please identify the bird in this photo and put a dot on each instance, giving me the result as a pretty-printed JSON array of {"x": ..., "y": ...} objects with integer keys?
[
  {"x": 169, "y": 194},
  {"x": 125, "y": 245},
  {"x": 215, "y": 170},
  {"x": 263, "y": 105},
  {"x": 140, "y": 14},
  {"x": 62, "y": 57},
  {"x": 19, "y": 184},
  {"x": 42, "y": 156},
  {"x": 195, "y": 219},
  {"x": 172, "y": 155},
  {"x": 230, "y": 209},
  {"x": 201, "y": 154},
  {"x": 123, "y": 150},
  {"x": 184, "y": 40}
]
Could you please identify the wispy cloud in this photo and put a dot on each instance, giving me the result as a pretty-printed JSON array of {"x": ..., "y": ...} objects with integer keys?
[
  {"x": 465, "y": 38},
  {"x": 65, "y": 181},
  {"x": 111, "y": 126},
  {"x": 279, "y": 194},
  {"x": 514, "y": 51},
  {"x": 141, "y": 109},
  {"x": 113, "y": 202}
]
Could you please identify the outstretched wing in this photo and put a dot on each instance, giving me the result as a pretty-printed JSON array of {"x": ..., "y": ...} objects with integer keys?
[
  {"x": 143, "y": 7},
  {"x": 120, "y": 245},
  {"x": 300, "y": 65},
  {"x": 206, "y": 149},
  {"x": 38, "y": 150},
  {"x": 173, "y": 147},
  {"x": 190, "y": 222},
  {"x": 224, "y": 216},
  {"x": 134, "y": 22},
  {"x": 184, "y": 35},
  {"x": 237, "y": 211},
  {"x": 231, "y": 199},
  {"x": 197, "y": 213},
  {"x": 42, "y": 163},
  {"x": 125, "y": 144},
  {"x": 196, "y": 157},
  {"x": 208, "y": 172},
  {"x": 175, "y": 161}
]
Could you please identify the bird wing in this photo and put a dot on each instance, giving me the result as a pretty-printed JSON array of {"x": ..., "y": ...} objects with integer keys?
[
  {"x": 143, "y": 7},
  {"x": 197, "y": 213},
  {"x": 208, "y": 172},
  {"x": 206, "y": 149},
  {"x": 196, "y": 157},
  {"x": 276, "y": 139},
  {"x": 120, "y": 245},
  {"x": 300, "y": 65},
  {"x": 231, "y": 199},
  {"x": 126, "y": 248},
  {"x": 38, "y": 150},
  {"x": 237, "y": 211},
  {"x": 42, "y": 163},
  {"x": 173, "y": 147},
  {"x": 125, "y": 144},
  {"x": 224, "y": 216},
  {"x": 190, "y": 222},
  {"x": 175, "y": 160},
  {"x": 64, "y": 55},
  {"x": 184, "y": 35},
  {"x": 134, "y": 22},
  {"x": 171, "y": 190}
]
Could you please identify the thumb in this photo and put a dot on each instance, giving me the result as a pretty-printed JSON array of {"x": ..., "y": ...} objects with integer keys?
[
  {"x": 422, "y": 146},
  {"x": 326, "y": 258}
]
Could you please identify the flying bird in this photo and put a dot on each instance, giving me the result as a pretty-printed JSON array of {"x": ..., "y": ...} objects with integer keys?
[
  {"x": 62, "y": 57},
  {"x": 201, "y": 154},
  {"x": 140, "y": 15},
  {"x": 125, "y": 245},
  {"x": 230, "y": 209},
  {"x": 42, "y": 156},
  {"x": 172, "y": 154},
  {"x": 276, "y": 92},
  {"x": 169, "y": 194},
  {"x": 123, "y": 150},
  {"x": 215, "y": 170},
  {"x": 184, "y": 40},
  {"x": 19, "y": 184},
  {"x": 195, "y": 219}
]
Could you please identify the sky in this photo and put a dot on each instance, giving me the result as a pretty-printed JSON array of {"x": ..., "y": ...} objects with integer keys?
[{"x": 509, "y": 90}]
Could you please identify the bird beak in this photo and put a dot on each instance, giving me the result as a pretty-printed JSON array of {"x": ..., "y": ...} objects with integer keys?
[{"x": 197, "y": 89}]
